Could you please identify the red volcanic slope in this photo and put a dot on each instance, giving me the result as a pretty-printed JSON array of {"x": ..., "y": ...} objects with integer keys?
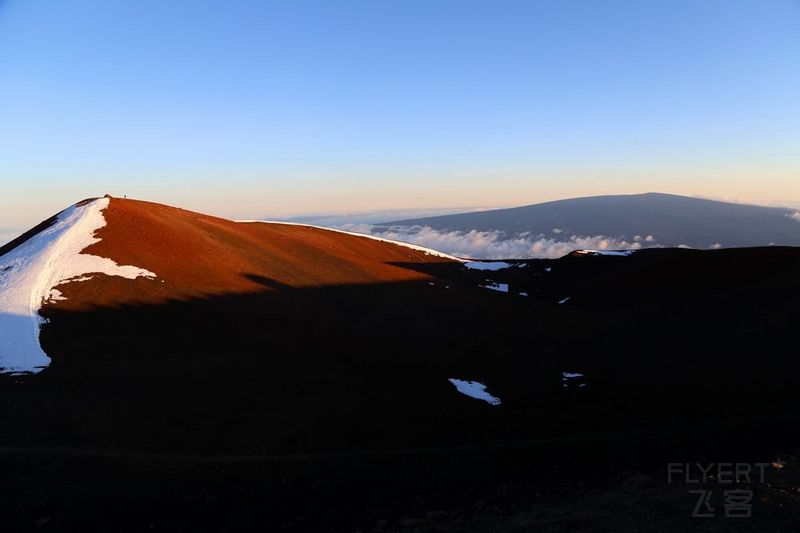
[{"x": 194, "y": 255}]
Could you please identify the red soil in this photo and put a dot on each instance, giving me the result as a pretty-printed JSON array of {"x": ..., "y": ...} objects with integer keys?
[{"x": 198, "y": 255}]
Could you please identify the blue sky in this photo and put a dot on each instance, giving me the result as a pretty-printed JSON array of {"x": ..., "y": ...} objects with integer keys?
[{"x": 261, "y": 108}]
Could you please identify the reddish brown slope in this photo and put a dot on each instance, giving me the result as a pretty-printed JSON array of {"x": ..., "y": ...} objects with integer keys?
[{"x": 200, "y": 255}]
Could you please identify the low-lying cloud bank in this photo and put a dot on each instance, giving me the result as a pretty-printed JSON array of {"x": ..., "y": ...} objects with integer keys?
[
  {"x": 495, "y": 245},
  {"x": 794, "y": 216}
]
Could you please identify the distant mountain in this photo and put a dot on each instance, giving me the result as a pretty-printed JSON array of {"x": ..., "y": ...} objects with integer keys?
[
  {"x": 671, "y": 220},
  {"x": 332, "y": 220}
]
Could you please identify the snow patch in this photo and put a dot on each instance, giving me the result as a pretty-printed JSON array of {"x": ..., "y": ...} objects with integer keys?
[
  {"x": 474, "y": 389},
  {"x": 501, "y": 287},
  {"x": 54, "y": 295},
  {"x": 573, "y": 379},
  {"x": 30, "y": 273},
  {"x": 487, "y": 265},
  {"x": 605, "y": 252}
]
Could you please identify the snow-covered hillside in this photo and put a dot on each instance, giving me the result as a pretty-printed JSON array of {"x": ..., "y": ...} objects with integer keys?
[{"x": 31, "y": 273}]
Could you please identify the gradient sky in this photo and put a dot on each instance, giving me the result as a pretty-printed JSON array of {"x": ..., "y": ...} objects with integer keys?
[{"x": 249, "y": 109}]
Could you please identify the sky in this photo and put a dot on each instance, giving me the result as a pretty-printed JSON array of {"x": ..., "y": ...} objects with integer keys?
[{"x": 250, "y": 109}]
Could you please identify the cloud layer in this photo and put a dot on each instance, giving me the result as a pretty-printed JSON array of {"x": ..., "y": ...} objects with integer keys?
[{"x": 493, "y": 245}]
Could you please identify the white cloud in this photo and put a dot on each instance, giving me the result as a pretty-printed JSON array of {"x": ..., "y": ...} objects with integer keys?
[
  {"x": 794, "y": 216},
  {"x": 492, "y": 244}
]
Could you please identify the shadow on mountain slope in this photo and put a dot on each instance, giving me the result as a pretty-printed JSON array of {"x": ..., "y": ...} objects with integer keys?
[
  {"x": 661, "y": 338},
  {"x": 337, "y": 397}
]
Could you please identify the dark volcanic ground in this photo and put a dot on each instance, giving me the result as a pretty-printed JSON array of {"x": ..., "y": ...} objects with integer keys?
[{"x": 328, "y": 408}]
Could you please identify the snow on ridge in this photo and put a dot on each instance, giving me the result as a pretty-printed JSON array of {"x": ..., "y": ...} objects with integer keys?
[
  {"x": 31, "y": 273},
  {"x": 474, "y": 389},
  {"x": 604, "y": 252},
  {"x": 427, "y": 251}
]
